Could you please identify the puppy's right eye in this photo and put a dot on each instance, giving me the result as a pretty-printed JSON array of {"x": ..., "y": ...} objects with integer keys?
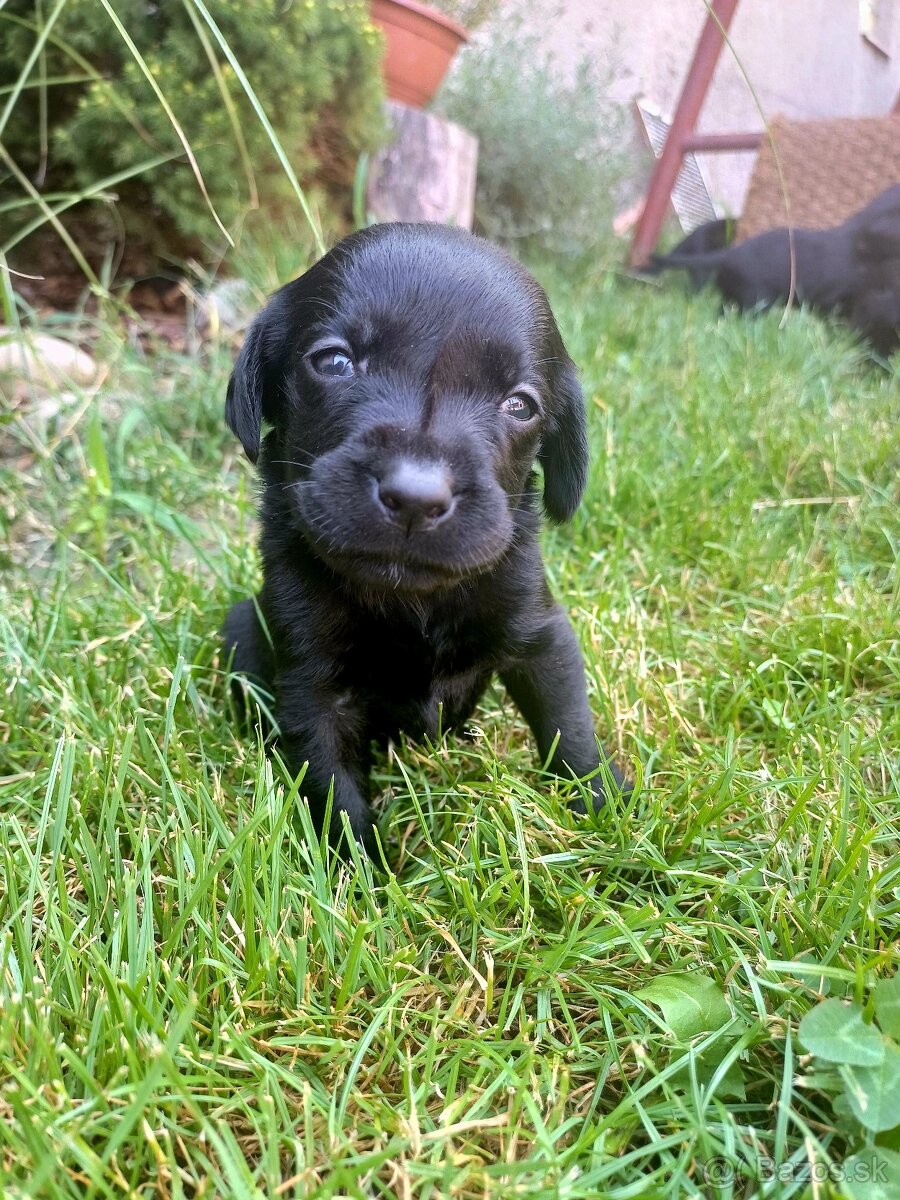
[{"x": 333, "y": 361}]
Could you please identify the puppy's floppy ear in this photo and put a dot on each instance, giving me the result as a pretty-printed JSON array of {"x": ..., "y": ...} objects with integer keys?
[
  {"x": 564, "y": 451},
  {"x": 252, "y": 394}
]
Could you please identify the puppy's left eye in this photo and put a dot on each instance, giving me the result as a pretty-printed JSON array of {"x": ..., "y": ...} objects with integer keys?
[
  {"x": 333, "y": 361},
  {"x": 519, "y": 405}
]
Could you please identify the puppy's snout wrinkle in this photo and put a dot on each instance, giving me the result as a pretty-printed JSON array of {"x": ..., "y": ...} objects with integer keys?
[{"x": 416, "y": 495}]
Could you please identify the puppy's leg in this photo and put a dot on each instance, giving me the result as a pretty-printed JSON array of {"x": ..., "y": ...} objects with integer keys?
[
  {"x": 549, "y": 689},
  {"x": 330, "y": 734},
  {"x": 326, "y": 736},
  {"x": 248, "y": 653}
]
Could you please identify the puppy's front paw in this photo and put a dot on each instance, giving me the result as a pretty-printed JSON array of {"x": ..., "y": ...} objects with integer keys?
[
  {"x": 609, "y": 780},
  {"x": 353, "y": 820}
]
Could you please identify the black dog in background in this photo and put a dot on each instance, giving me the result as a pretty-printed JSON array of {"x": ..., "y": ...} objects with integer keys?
[
  {"x": 409, "y": 381},
  {"x": 696, "y": 248},
  {"x": 852, "y": 270}
]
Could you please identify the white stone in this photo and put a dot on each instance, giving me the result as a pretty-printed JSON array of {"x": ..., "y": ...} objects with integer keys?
[{"x": 47, "y": 362}]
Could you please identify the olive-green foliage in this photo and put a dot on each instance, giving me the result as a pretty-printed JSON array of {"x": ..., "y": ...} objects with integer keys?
[
  {"x": 315, "y": 66},
  {"x": 469, "y": 13},
  {"x": 550, "y": 160}
]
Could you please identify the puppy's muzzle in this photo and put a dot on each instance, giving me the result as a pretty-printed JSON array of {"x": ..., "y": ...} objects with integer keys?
[{"x": 417, "y": 496}]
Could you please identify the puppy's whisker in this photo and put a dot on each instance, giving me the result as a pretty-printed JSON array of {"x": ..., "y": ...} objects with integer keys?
[
  {"x": 296, "y": 483},
  {"x": 290, "y": 462},
  {"x": 320, "y": 302}
]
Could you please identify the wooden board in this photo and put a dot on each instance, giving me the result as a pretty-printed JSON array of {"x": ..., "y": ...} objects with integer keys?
[{"x": 426, "y": 173}]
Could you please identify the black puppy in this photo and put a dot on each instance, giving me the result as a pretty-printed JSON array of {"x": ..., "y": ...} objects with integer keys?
[
  {"x": 409, "y": 379},
  {"x": 852, "y": 270}
]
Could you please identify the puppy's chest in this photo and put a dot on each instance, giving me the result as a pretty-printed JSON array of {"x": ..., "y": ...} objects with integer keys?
[
  {"x": 416, "y": 680},
  {"x": 404, "y": 658}
]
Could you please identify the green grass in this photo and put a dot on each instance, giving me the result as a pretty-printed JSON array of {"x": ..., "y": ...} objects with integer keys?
[{"x": 195, "y": 1002}]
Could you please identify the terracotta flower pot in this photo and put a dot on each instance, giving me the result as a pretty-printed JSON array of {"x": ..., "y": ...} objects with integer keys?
[{"x": 419, "y": 46}]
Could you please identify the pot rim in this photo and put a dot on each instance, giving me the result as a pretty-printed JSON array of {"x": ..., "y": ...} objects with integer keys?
[{"x": 432, "y": 14}]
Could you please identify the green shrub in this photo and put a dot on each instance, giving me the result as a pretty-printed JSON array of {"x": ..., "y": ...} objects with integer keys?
[
  {"x": 314, "y": 65},
  {"x": 550, "y": 162}
]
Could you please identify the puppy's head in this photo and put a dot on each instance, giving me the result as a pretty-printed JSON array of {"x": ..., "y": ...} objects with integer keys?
[{"x": 410, "y": 380}]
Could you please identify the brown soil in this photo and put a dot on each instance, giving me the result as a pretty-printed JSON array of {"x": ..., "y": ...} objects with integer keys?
[{"x": 150, "y": 297}]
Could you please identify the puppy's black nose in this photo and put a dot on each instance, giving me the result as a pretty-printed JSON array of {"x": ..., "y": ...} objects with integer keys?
[{"x": 416, "y": 494}]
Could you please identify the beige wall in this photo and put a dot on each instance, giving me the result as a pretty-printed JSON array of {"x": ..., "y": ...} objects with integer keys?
[{"x": 805, "y": 58}]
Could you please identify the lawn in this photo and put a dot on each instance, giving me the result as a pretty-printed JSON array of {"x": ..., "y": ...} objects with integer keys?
[{"x": 196, "y": 1001}]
